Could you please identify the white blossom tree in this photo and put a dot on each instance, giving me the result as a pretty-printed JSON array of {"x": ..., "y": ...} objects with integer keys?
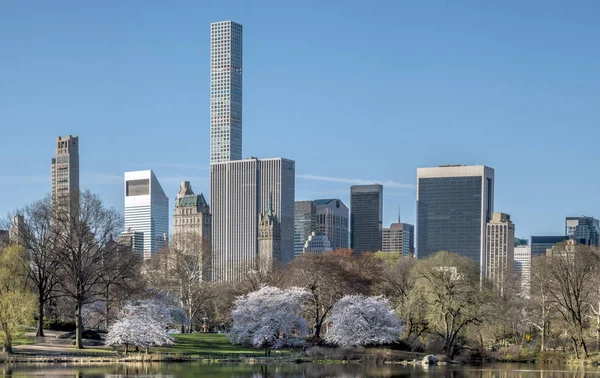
[
  {"x": 143, "y": 324},
  {"x": 269, "y": 317},
  {"x": 363, "y": 320}
]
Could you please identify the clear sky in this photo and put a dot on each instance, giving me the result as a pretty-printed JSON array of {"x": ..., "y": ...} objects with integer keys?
[{"x": 353, "y": 91}]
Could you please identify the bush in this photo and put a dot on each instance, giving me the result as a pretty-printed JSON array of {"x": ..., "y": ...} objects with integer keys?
[
  {"x": 59, "y": 325},
  {"x": 87, "y": 334}
]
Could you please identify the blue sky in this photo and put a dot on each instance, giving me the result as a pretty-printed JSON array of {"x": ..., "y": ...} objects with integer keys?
[{"x": 353, "y": 91}]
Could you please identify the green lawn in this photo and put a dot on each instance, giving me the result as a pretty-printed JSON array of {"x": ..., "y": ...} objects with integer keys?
[
  {"x": 211, "y": 345},
  {"x": 23, "y": 340}
]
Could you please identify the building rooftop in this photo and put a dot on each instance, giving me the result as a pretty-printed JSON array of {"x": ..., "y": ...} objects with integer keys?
[{"x": 192, "y": 201}]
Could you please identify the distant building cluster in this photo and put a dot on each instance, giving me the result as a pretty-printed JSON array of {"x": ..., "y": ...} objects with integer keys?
[{"x": 253, "y": 221}]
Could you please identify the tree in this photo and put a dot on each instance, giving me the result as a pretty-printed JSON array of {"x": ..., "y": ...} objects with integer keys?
[
  {"x": 540, "y": 307},
  {"x": 360, "y": 320},
  {"x": 327, "y": 278},
  {"x": 503, "y": 310},
  {"x": 449, "y": 284},
  {"x": 17, "y": 303},
  {"x": 269, "y": 317},
  {"x": 40, "y": 242},
  {"x": 143, "y": 324},
  {"x": 178, "y": 270},
  {"x": 85, "y": 250},
  {"x": 396, "y": 282},
  {"x": 573, "y": 268},
  {"x": 121, "y": 279}
]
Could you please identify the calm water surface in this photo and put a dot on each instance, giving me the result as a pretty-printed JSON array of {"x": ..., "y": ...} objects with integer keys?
[{"x": 163, "y": 370}]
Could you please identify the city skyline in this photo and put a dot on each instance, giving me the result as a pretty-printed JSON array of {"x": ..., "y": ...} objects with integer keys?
[{"x": 97, "y": 117}]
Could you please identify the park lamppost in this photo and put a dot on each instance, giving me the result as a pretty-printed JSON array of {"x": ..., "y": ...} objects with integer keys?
[
  {"x": 266, "y": 345},
  {"x": 204, "y": 326}
]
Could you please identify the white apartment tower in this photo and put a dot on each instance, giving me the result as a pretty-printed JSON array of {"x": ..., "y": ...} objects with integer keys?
[
  {"x": 239, "y": 191},
  {"x": 146, "y": 210},
  {"x": 522, "y": 266},
  {"x": 225, "y": 91}
]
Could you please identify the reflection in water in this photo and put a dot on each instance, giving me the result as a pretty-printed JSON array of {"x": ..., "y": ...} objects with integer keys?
[{"x": 166, "y": 370}]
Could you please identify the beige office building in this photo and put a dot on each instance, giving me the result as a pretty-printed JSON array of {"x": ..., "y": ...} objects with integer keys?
[
  {"x": 499, "y": 249},
  {"x": 65, "y": 169}
]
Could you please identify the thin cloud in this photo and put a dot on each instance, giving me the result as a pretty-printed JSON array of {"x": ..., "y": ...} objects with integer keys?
[
  {"x": 357, "y": 181},
  {"x": 19, "y": 180},
  {"x": 99, "y": 178}
]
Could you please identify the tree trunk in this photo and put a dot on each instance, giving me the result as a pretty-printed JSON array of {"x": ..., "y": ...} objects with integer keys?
[
  {"x": 543, "y": 338},
  {"x": 7, "y": 344},
  {"x": 106, "y": 308},
  {"x": 317, "y": 331},
  {"x": 78, "y": 327},
  {"x": 40, "y": 325},
  {"x": 583, "y": 344}
]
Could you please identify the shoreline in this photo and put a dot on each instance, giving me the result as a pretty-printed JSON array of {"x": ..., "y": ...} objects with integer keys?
[{"x": 165, "y": 358}]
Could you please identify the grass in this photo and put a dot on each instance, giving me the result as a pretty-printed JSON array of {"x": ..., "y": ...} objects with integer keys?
[
  {"x": 212, "y": 345},
  {"x": 23, "y": 340}
]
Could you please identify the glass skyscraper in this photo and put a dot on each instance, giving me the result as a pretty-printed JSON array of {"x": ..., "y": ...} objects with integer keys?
[
  {"x": 454, "y": 203},
  {"x": 585, "y": 230},
  {"x": 366, "y": 218},
  {"x": 539, "y": 244},
  {"x": 225, "y": 91}
]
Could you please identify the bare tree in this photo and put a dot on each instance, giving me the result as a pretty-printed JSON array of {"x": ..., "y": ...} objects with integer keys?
[
  {"x": 573, "y": 268},
  {"x": 84, "y": 252},
  {"x": 255, "y": 279},
  {"x": 179, "y": 270},
  {"x": 449, "y": 284},
  {"x": 327, "y": 278},
  {"x": 39, "y": 241},
  {"x": 121, "y": 280},
  {"x": 540, "y": 307}
]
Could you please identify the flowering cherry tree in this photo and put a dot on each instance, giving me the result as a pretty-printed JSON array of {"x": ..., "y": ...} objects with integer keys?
[
  {"x": 143, "y": 324},
  {"x": 269, "y": 317},
  {"x": 363, "y": 320}
]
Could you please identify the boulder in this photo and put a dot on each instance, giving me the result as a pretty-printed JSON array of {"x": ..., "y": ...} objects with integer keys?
[{"x": 430, "y": 359}]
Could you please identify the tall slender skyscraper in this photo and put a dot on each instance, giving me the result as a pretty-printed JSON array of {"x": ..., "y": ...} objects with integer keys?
[
  {"x": 225, "y": 91},
  {"x": 65, "y": 170},
  {"x": 454, "y": 203},
  {"x": 240, "y": 189},
  {"x": 366, "y": 217},
  {"x": 146, "y": 210}
]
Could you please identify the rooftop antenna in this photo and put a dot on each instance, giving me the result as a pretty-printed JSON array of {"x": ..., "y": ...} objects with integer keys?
[{"x": 399, "y": 214}]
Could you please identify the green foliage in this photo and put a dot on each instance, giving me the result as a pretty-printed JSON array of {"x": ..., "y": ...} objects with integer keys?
[
  {"x": 388, "y": 257},
  {"x": 17, "y": 303}
]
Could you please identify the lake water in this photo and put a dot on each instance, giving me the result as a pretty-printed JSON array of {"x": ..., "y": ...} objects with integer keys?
[{"x": 164, "y": 370}]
